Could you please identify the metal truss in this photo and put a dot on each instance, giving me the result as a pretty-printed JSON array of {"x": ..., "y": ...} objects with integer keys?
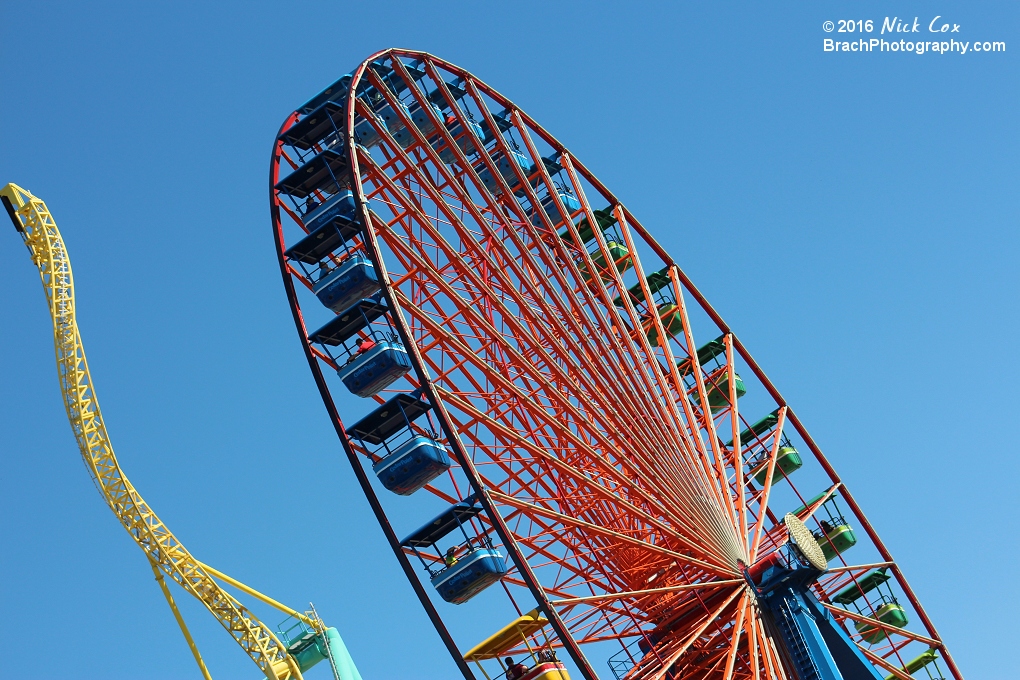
[{"x": 166, "y": 554}]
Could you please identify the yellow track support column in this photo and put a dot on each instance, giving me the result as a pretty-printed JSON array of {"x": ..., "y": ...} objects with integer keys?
[{"x": 180, "y": 620}]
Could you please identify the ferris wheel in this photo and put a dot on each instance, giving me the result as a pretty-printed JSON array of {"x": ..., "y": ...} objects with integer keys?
[{"x": 570, "y": 421}]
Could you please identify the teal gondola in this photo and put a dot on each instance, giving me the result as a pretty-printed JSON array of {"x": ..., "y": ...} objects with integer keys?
[
  {"x": 319, "y": 126},
  {"x": 338, "y": 208},
  {"x": 374, "y": 369},
  {"x": 419, "y": 116}
]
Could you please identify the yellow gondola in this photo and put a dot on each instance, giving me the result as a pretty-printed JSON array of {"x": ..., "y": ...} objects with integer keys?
[{"x": 514, "y": 638}]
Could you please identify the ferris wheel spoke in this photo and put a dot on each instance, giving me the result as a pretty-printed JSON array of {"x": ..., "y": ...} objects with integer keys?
[
  {"x": 651, "y": 591},
  {"x": 712, "y": 665},
  {"x": 610, "y": 391},
  {"x": 633, "y": 258},
  {"x": 736, "y": 636},
  {"x": 676, "y": 381},
  {"x": 885, "y": 665},
  {"x": 564, "y": 548},
  {"x": 735, "y": 458},
  {"x": 767, "y": 489},
  {"x": 751, "y": 634},
  {"x": 560, "y": 547},
  {"x": 549, "y": 419},
  {"x": 810, "y": 508},
  {"x": 587, "y": 624},
  {"x": 774, "y": 667},
  {"x": 891, "y": 650},
  {"x": 631, "y": 348},
  {"x": 861, "y": 568},
  {"x": 587, "y": 300},
  {"x": 696, "y": 418},
  {"x": 595, "y": 560},
  {"x": 707, "y": 421},
  {"x": 550, "y": 269},
  {"x": 514, "y": 580},
  {"x": 626, "y": 298},
  {"x": 608, "y": 533}
]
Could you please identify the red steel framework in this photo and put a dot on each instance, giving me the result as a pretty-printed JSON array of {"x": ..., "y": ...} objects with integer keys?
[{"x": 626, "y": 508}]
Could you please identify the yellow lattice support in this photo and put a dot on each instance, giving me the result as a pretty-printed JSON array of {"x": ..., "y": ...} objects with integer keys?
[{"x": 167, "y": 555}]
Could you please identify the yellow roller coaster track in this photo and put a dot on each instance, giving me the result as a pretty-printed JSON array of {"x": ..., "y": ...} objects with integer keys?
[{"x": 167, "y": 556}]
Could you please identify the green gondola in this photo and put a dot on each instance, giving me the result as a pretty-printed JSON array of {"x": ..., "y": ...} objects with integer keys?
[
  {"x": 605, "y": 219},
  {"x": 656, "y": 281},
  {"x": 719, "y": 394},
  {"x": 759, "y": 428},
  {"x": 620, "y": 256},
  {"x": 917, "y": 663},
  {"x": 862, "y": 587},
  {"x": 837, "y": 540},
  {"x": 787, "y": 460},
  {"x": 672, "y": 322},
  {"x": 891, "y": 613}
]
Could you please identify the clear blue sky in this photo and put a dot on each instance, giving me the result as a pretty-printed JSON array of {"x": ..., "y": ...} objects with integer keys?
[{"x": 852, "y": 216}]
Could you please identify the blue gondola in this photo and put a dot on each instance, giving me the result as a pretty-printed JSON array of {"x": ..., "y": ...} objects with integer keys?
[
  {"x": 570, "y": 202},
  {"x": 420, "y": 117},
  {"x": 469, "y": 568},
  {"x": 470, "y": 575},
  {"x": 393, "y": 80},
  {"x": 323, "y": 241},
  {"x": 323, "y": 123},
  {"x": 505, "y": 168},
  {"x": 365, "y": 133},
  {"x": 390, "y": 418},
  {"x": 373, "y": 370},
  {"x": 325, "y": 172},
  {"x": 463, "y": 141},
  {"x": 336, "y": 92},
  {"x": 412, "y": 465},
  {"x": 503, "y": 123},
  {"x": 377, "y": 361},
  {"x": 353, "y": 280},
  {"x": 394, "y": 123},
  {"x": 406, "y": 467},
  {"x": 404, "y": 137},
  {"x": 341, "y": 205},
  {"x": 437, "y": 97}
]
